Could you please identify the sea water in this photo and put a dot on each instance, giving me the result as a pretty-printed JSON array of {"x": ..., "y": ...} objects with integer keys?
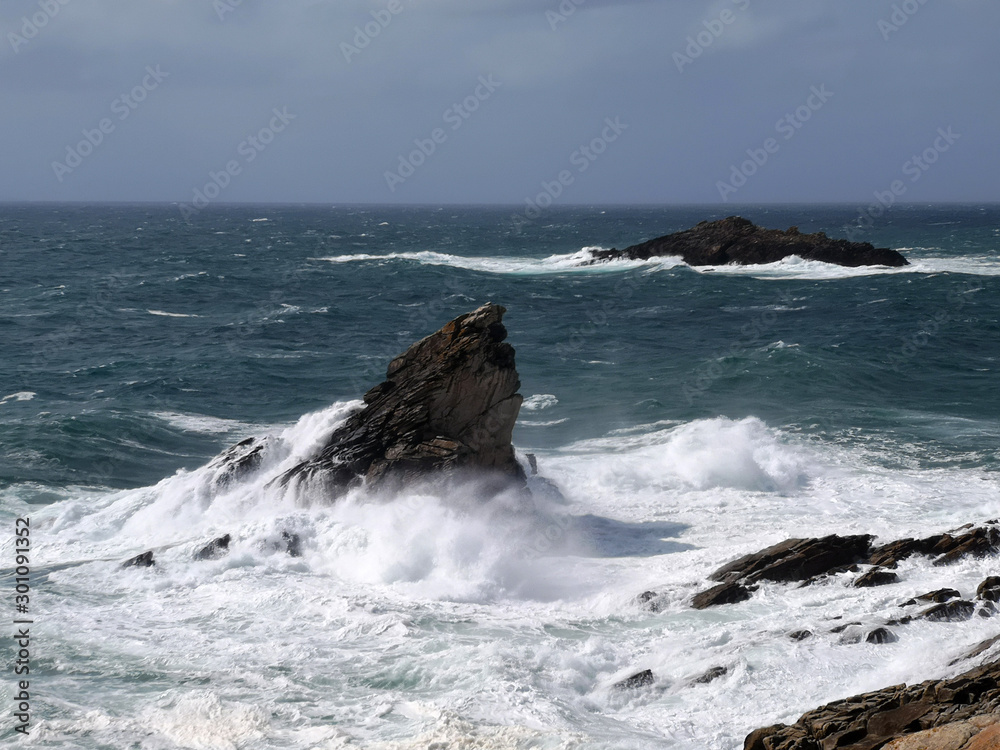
[{"x": 680, "y": 417}]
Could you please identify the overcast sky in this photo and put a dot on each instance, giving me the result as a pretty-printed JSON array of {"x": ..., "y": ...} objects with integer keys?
[{"x": 687, "y": 87}]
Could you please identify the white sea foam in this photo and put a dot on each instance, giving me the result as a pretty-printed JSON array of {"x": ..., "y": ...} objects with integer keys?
[
  {"x": 539, "y": 401},
  {"x": 795, "y": 267},
  {"x": 566, "y": 263},
  {"x": 19, "y": 396},
  {"x": 206, "y": 425},
  {"x": 161, "y": 313},
  {"x": 423, "y": 620}
]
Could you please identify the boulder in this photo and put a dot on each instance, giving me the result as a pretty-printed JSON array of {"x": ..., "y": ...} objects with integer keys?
[
  {"x": 737, "y": 240},
  {"x": 989, "y": 590},
  {"x": 446, "y": 409},
  {"x": 952, "y": 611},
  {"x": 875, "y": 577}
]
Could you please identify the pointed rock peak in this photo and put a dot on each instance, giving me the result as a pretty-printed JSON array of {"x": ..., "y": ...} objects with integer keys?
[{"x": 447, "y": 408}]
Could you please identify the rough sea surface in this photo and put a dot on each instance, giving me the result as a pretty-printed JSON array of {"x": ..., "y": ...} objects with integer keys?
[{"x": 681, "y": 417}]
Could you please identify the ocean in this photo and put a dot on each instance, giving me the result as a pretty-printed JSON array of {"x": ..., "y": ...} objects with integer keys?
[{"x": 680, "y": 417}]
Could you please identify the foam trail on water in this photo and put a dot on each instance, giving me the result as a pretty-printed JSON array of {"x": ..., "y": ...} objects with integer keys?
[{"x": 517, "y": 266}]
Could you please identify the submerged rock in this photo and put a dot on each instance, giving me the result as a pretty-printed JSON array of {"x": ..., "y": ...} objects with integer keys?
[
  {"x": 871, "y": 720},
  {"x": 214, "y": 549},
  {"x": 737, "y": 240},
  {"x": 639, "y": 679},
  {"x": 710, "y": 675}
]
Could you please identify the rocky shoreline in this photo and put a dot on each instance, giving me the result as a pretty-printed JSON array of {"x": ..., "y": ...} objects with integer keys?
[
  {"x": 961, "y": 713},
  {"x": 737, "y": 240},
  {"x": 446, "y": 412}
]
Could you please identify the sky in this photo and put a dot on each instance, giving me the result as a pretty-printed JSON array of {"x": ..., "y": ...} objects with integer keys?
[{"x": 458, "y": 101}]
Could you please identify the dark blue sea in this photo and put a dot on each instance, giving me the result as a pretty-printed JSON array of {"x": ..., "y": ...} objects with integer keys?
[{"x": 680, "y": 417}]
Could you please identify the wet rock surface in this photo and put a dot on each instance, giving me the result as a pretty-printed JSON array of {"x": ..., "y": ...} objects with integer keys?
[{"x": 898, "y": 713}]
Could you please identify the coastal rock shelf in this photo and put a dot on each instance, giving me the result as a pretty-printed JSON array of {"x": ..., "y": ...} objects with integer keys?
[
  {"x": 956, "y": 714},
  {"x": 737, "y": 240}
]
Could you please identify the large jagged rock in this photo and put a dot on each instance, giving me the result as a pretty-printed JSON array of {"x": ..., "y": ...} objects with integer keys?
[
  {"x": 737, "y": 240},
  {"x": 447, "y": 409},
  {"x": 967, "y": 705}
]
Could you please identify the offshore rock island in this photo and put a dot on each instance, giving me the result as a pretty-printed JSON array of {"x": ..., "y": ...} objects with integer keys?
[{"x": 736, "y": 240}]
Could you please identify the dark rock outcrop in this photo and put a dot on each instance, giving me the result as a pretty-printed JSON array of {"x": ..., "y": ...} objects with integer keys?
[
  {"x": 949, "y": 547},
  {"x": 881, "y": 635},
  {"x": 937, "y": 596},
  {"x": 989, "y": 590},
  {"x": 808, "y": 559},
  {"x": 638, "y": 680},
  {"x": 875, "y": 577},
  {"x": 447, "y": 408},
  {"x": 737, "y": 240},
  {"x": 214, "y": 549},
  {"x": 953, "y": 611},
  {"x": 870, "y": 720},
  {"x": 145, "y": 560},
  {"x": 796, "y": 559},
  {"x": 710, "y": 675},
  {"x": 724, "y": 593},
  {"x": 235, "y": 463}
]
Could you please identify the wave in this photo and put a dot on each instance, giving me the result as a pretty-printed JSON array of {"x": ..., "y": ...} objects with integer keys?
[
  {"x": 797, "y": 268},
  {"x": 515, "y": 266},
  {"x": 793, "y": 267}
]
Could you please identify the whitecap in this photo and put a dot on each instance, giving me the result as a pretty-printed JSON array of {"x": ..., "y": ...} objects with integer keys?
[
  {"x": 19, "y": 396},
  {"x": 539, "y": 401},
  {"x": 161, "y": 313}
]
